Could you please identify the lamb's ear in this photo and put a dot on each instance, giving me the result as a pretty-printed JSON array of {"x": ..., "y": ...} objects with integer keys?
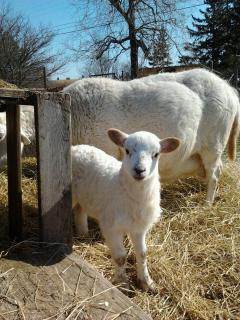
[
  {"x": 25, "y": 140},
  {"x": 169, "y": 144},
  {"x": 117, "y": 136}
]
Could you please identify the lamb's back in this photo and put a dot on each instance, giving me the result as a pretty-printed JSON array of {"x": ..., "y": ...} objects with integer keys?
[{"x": 94, "y": 177}]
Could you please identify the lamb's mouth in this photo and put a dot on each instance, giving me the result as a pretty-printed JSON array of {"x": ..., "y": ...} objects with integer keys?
[{"x": 139, "y": 177}]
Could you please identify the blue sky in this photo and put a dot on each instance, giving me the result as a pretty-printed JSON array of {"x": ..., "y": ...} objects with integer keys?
[{"x": 61, "y": 17}]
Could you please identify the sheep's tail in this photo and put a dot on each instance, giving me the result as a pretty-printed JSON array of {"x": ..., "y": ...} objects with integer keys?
[{"x": 234, "y": 133}]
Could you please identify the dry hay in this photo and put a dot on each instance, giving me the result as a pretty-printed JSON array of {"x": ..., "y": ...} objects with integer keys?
[
  {"x": 194, "y": 251},
  {"x": 29, "y": 199},
  {"x": 4, "y": 84}
]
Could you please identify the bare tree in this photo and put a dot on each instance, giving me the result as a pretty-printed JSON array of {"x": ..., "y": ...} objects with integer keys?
[
  {"x": 97, "y": 65},
  {"x": 125, "y": 25},
  {"x": 24, "y": 51}
]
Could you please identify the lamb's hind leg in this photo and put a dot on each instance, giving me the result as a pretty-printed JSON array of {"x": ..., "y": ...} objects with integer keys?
[{"x": 81, "y": 222}]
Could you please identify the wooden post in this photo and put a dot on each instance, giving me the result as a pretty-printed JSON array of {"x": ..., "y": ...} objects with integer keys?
[
  {"x": 53, "y": 141},
  {"x": 44, "y": 78},
  {"x": 14, "y": 170}
]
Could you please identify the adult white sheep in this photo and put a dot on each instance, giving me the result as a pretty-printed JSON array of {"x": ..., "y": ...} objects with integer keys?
[
  {"x": 204, "y": 121},
  {"x": 218, "y": 96},
  {"x": 123, "y": 196}
]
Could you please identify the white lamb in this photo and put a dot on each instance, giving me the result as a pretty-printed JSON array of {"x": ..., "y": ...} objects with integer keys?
[
  {"x": 123, "y": 196},
  {"x": 201, "y": 109}
]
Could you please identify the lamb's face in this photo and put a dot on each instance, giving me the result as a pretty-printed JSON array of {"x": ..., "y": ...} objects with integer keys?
[
  {"x": 3, "y": 132},
  {"x": 142, "y": 150}
]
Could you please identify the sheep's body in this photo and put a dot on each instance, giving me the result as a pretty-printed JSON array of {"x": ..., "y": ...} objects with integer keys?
[
  {"x": 27, "y": 133},
  {"x": 27, "y": 122},
  {"x": 200, "y": 109},
  {"x": 3, "y": 142},
  {"x": 123, "y": 196},
  {"x": 98, "y": 104},
  {"x": 221, "y": 104}
]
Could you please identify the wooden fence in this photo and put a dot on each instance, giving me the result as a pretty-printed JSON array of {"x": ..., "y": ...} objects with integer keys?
[{"x": 53, "y": 142}]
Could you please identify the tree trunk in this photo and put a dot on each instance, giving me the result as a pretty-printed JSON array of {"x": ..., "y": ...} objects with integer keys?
[{"x": 133, "y": 41}]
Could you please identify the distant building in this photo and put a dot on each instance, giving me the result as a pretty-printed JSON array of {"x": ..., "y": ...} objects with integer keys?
[
  {"x": 154, "y": 70},
  {"x": 58, "y": 85}
]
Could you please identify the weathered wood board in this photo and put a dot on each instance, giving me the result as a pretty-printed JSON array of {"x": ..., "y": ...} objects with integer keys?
[
  {"x": 14, "y": 171},
  {"x": 54, "y": 164},
  {"x": 44, "y": 285},
  {"x": 15, "y": 94}
]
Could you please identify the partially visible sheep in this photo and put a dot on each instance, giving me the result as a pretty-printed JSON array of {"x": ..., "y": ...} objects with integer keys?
[
  {"x": 217, "y": 95},
  {"x": 123, "y": 197},
  {"x": 202, "y": 110},
  {"x": 3, "y": 145},
  {"x": 3, "y": 132},
  {"x": 27, "y": 133}
]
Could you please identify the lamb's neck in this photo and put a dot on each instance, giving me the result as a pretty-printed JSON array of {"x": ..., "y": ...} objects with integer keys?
[{"x": 139, "y": 190}]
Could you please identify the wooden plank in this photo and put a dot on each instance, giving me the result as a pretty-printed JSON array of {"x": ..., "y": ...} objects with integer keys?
[
  {"x": 54, "y": 167},
  {"x": 14, "y": 171},
  {"x": 44, "y": 283},
  {"x": 14, "y": 93}
]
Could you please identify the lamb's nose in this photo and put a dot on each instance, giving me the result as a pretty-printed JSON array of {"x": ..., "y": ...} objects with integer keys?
[{"x": 139, "y": 170}]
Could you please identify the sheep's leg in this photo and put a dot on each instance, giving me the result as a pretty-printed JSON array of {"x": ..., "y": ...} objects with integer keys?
[
  {"x": 144, "y": 279},
  {"x": 213, "y": 168},
  {"x": 81, "y": 222},
  {"x": 115, "y": 243},
  {"x": 213, "y": 178}
]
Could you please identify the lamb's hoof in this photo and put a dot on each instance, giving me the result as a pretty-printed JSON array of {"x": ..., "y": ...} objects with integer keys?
[
  {"x": 82, "y": 233},
  {"x": 124, "y": 287},
  {"x": 208, "y": 204},
  {"x": 122, "y": 283},
  {"x": 147, "y": 285}
]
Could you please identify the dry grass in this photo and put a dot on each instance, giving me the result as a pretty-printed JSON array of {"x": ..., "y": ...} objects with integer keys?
[
  {"x": 194, "y": 251},
  {"x": 29, "y": 199}
]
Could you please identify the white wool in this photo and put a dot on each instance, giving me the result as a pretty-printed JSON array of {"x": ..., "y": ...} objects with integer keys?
[
  {"x": 103, "y": 192},
  {"x": 196, "y": 106},
  {"x": 27, "y": 132},
  {"x": 111, "y": 192}
]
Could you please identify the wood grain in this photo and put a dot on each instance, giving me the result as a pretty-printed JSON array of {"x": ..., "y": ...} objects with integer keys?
[
  {"x": 54, "y": 163},
  {"x": 44, "y": 283}
]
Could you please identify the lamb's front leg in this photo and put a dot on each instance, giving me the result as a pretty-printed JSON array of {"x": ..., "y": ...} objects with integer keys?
[
  {"x": 114, "y": 241},
  {"x": 144, "y": 279}
]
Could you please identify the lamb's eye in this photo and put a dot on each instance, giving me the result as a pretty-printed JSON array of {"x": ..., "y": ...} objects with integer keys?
[
  {"x": 127, "y": 151},
  {"x": 156, "y": 155}
]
